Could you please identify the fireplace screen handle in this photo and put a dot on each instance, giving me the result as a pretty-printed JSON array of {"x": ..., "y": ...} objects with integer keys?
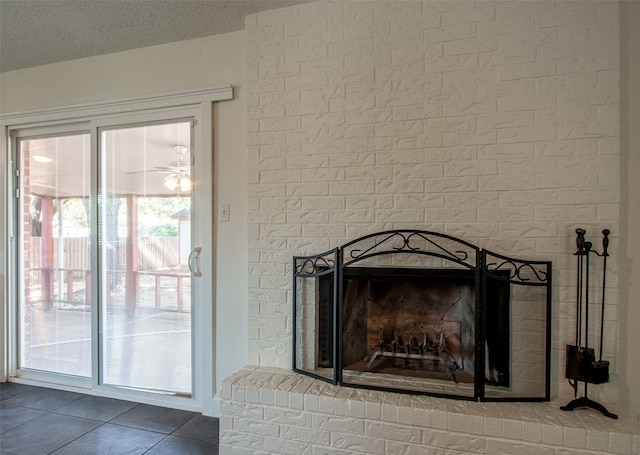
[{"x": 194, "y": 259}]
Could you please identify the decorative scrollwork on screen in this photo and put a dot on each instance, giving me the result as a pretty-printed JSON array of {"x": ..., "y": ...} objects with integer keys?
[
  {"x": 524, "y": 272},
  {"x": 405, "y": 246},
  {"x": 313, "y": 265}
]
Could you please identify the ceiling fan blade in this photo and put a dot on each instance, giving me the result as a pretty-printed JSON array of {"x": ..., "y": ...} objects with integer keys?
[
  {"x": 156, "y": 171},
  {"x": 174, "y": 167},
  {"x": 180, "y": 164},
  {"x": 167, "y": 168}
]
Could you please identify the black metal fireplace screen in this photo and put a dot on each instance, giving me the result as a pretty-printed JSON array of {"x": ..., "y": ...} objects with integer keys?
[{"x": 422, "y": 312}]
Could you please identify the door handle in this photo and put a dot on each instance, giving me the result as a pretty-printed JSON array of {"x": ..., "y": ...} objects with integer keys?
[{"x": 194, "y": 258}]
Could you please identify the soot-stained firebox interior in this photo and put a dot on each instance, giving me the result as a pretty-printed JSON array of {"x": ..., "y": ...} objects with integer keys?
[{"x": 421, "y": 323}]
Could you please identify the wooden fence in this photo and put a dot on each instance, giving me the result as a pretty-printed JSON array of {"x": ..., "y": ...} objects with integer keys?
[
  {"x": 69, "y": 280},
  {"x": 155, "y": 253}
]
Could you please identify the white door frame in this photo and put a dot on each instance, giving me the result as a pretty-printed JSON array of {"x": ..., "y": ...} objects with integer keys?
[{"x": 204, "y": 399}]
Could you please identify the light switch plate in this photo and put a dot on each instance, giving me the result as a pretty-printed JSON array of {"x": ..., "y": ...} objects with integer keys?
[{"x": 224, "y": 212}]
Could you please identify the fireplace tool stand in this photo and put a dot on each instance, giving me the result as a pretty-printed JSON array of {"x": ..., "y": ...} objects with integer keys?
[{"x": 581, "y": 365}]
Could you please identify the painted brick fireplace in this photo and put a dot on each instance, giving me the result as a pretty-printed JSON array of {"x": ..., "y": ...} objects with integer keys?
[{"x": 496, "y": 122}]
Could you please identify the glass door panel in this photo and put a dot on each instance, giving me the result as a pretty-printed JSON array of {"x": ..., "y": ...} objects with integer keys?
[
  {"x": 54, "y": 310},
  {"x": 145, "y": 197}
]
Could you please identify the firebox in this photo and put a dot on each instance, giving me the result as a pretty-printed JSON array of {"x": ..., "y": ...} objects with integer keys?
[{"x": 422, "y": 312}]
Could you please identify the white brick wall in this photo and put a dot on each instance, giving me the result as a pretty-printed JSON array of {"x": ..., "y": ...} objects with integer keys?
[
  {"x": 496, "y": 122},
  {"x": 493, "y": 121}
]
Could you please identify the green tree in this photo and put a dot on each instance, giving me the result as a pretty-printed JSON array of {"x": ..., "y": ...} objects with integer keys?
[{"x": 155, "y": 215}]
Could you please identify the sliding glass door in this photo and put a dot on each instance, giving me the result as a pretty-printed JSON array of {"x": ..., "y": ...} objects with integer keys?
[
  {"x": 145, "y": 237},
  {"x": 104, "y": 254},
  {"x": 54, "y": 252}
]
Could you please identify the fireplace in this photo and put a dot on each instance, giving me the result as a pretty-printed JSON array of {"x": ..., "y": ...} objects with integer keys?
[{"x": 422, "y": 312}]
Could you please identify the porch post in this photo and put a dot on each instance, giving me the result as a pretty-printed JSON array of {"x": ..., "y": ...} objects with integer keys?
[
  {"x": 132, "y": 278},
  {"x": 47, "y": 277}
]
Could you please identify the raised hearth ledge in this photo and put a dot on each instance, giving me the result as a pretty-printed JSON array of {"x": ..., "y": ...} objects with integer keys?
[{"x": 276, "y": 411}]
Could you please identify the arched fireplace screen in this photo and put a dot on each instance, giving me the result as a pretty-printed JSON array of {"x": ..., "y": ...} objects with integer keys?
[{"x": 422, "y": 312}]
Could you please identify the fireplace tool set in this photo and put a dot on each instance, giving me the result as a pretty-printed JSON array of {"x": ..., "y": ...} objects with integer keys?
[{"x": 581, "y": 363}]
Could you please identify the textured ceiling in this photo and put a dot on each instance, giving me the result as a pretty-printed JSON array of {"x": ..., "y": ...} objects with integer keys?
[{"x": 39, "y": 32}]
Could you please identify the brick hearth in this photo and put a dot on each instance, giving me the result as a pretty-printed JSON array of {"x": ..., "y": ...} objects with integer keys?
[{"x": 270, "y": 410}]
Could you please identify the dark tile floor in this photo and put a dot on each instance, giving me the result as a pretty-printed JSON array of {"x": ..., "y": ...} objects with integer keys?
[{"x": 36, "y": 421}]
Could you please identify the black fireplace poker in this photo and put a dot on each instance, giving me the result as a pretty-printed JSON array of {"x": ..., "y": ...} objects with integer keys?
[{"x": 581, "y": 363}]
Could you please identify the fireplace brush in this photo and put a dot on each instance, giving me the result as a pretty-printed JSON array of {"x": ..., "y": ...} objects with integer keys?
[{"x": 581, "y": 363}]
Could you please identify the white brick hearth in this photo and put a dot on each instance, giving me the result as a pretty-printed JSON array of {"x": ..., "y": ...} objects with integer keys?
[
  {"x": 268, "y": 410},
  {"x": 496, "y": 122}
]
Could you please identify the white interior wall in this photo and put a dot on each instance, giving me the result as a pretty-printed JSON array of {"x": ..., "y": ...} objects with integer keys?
[{"x": 205, "y": 62}]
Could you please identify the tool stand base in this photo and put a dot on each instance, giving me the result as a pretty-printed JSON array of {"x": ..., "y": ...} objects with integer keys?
[{"x": 585, "y": 402}]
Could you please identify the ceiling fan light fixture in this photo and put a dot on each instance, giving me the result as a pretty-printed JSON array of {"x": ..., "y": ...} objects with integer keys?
[
  {"x": 185, "y": 183},
  {"x": 171, "y": 181},
  {"x": 180, "y": 149}
]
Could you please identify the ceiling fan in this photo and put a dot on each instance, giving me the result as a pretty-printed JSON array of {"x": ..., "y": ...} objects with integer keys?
[{"x": 177, "y": 171}]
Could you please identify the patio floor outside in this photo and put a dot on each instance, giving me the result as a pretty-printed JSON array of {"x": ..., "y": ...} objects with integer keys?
[{"x": 150, "y": 349}]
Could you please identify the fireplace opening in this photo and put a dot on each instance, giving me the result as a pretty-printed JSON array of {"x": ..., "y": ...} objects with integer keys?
[
  {"x": 422, "y": 323},
  {"x": 421, "y": 312}
]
